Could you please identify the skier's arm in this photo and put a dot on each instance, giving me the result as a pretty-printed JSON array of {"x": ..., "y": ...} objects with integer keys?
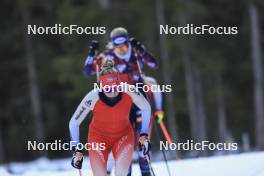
[
  {"x": 156, "y": 94},
  {"x": 90, "y": 63},
  {"x": 140, "y": 101},
  {"x": 145, "y": 108},
  {"x": 79, "y": 115},
  {"x": 158, "y": 100},
  {"x": 88, "y": 66},
  {"x": 149, "y": 60},
  {"x": 145, "y": 56}
]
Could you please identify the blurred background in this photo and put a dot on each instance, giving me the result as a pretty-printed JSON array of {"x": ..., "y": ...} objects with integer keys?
[{"x": 217, "y": 80}]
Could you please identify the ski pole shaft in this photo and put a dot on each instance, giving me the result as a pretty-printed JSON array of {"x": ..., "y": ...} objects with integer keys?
[
  {"x": 151, "y": 168},
  {"x": 97, "y": 73},
  {"x": 163, "y": 153},
  {"x": 80, "y": 172},
  {"x": 139, "y": 68},
  {"x": 165, "y": 132}
]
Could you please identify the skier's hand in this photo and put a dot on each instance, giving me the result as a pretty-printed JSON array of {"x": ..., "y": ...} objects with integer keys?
[
  {"x": 93, "y": 48},
  {"x": 137, "y": 44},
  {"x": 144, "y": 142},
  {"x": 77, "y": 159},
  {"x": 159, "y": 114}
]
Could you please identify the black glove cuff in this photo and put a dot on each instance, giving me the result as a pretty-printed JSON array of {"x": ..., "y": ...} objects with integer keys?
[
  {"x": 94, "y": 45},
  {"x": 133, "y": 42},
  {"x": 143, "y": 134}
]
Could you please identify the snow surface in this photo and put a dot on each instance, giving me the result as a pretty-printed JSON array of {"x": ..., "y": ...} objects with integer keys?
[{"x": 246, "y": 164}]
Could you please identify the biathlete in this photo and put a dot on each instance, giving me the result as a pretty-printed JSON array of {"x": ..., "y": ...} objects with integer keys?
[
  {"x": 128, "y": 55},
  {"x": 110, "y": 124}
]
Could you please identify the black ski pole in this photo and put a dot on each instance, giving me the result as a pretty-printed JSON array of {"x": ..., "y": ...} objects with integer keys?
[
  {"x": 80, "y": 172},
  {"x": 163, "y": 153},
  {"x": 150, "y": 166}
]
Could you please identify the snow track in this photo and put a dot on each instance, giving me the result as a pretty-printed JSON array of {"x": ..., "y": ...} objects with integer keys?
[{"x": 247, "y": 164}]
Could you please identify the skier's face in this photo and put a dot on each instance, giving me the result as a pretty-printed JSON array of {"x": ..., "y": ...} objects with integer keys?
[
  {"x": 112, "y": 94},
  {"x": 110, "y": 83},
  {"x": 122, "y": 49}
]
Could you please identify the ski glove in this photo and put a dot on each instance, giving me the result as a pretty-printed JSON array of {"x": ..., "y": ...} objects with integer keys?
[
  {"x": 77, "y": 159},
  {"x": 159, "y": 115},
  {"x": 144, "y": 143},
  {"x": 93, "y": 48},
  {"x": 137, "y": 44}
]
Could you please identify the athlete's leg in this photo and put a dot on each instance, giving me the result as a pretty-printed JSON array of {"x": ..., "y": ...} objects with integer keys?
[
  {"x": 98, "y": 158},
  {"x": 143, "y": 163},
  {"x": 150, "y": 127},
  {"x": 123, "y": 152}
]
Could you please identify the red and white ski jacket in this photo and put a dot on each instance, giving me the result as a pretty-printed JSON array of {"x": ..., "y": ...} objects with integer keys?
[{"x": 109, "y": 117}]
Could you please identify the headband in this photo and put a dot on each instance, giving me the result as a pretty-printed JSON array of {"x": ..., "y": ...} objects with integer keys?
[
  {"x": 109, "y": 79},
  {"x": 119, "y": 40}
]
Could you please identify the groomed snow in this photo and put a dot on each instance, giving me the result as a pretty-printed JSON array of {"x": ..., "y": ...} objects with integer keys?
[{"x": 247, "y": 164}]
